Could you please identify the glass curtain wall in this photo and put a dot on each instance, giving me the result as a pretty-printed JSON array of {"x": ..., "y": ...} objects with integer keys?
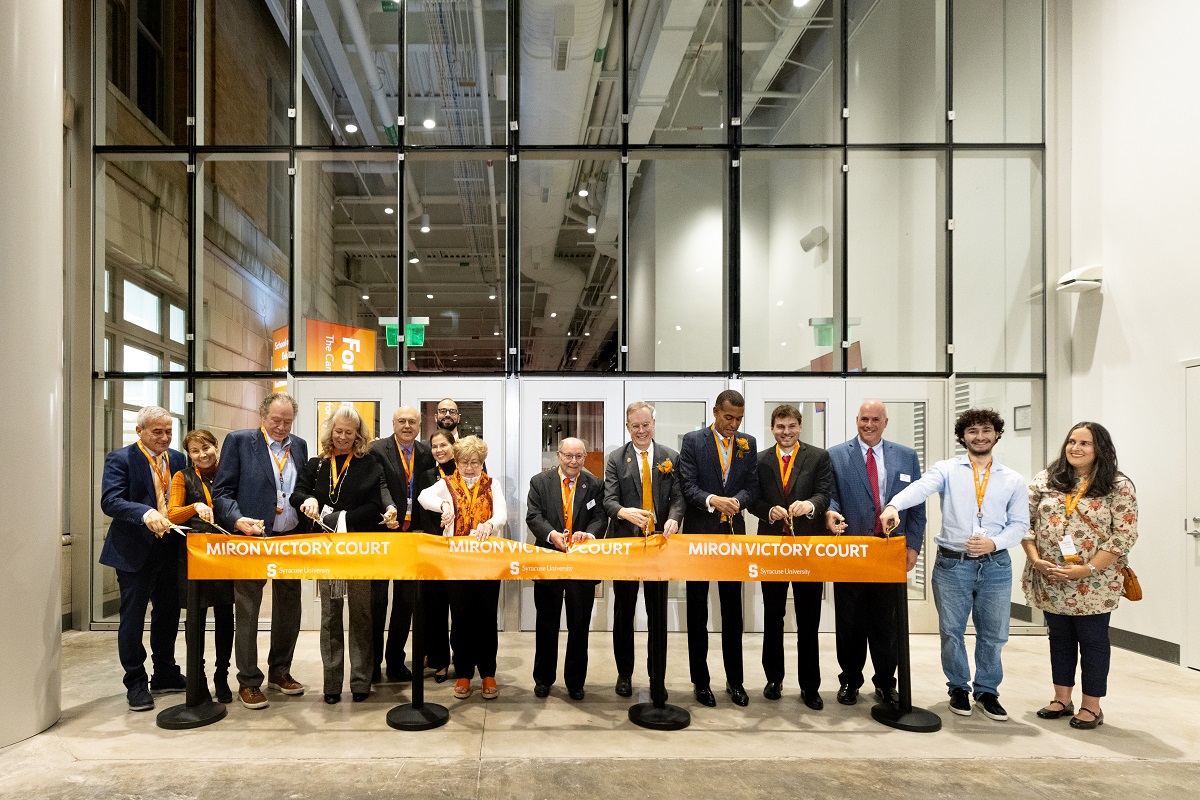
[{"x": 597, "y": 187}]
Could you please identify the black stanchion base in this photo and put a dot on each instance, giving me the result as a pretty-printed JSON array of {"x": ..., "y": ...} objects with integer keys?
[
  {"x": 182, "y": 717},
  {"x": 666, "y": 718},
  {"x": 918, "y": 720},
  {"x": 410, "y": 718}
]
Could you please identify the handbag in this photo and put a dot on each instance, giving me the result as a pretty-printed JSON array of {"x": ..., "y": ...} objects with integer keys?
[{"x": 1132, "y": 587}]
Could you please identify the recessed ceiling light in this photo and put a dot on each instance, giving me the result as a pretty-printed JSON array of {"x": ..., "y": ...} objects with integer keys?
[
  {"x": 430, "y": 123},
  {"x": 428, "y": 297},
  {"x": 491, "y": 297},
  {"x": 799, "y": 3},
  {"x": 583, "y": 192},
  {"x": 783, "y": 344},
  {"x": 366, "y": 297},
  {"x": 678, "y": 327},
  {"x": 413, "y": 259},
  {"x": 553, "y": 314},
  {"x": 389, "y": 210},
  {"x": 612, "y": 297},
  {"x": 495, "y": 333},
  {"x": 351, "y": 127},
  {"x": 587, "y": 333},
  {"x": 574, "y": 358}
]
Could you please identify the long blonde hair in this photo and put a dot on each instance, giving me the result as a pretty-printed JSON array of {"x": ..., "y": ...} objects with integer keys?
[{"x": 361, "y": 443}]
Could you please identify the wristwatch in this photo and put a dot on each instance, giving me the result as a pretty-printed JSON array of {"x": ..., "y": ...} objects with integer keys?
[{"x": 1092, "y": 568}]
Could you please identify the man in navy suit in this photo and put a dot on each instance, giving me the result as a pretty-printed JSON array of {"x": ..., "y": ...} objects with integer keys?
[
  {"x": 867, "y": 473},
  {"x": 565, "y": 505},
  {"x": 256, "y": 476},
  {"x": 134, "y": 492},
  {"x": 642, "y": 463},
  {"x": 719, "y": 473}
]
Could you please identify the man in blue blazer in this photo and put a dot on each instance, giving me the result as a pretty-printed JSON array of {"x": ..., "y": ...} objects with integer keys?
[
  {"x": 255, "y": 477},
  {"x": 718, "y": 470},
  {"x": 134, "y": 492},
  {"x": 867, "y": 473}
]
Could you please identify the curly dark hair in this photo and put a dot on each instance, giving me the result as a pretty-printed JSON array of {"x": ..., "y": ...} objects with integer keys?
[
  {"x": 977, "y": 416},
  {"x": 1060, "y": 474}
]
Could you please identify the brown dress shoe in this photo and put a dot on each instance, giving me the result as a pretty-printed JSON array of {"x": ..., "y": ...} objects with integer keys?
[
  {"x": 285, "y": 683},
  {"x": 251, "y": 697}
]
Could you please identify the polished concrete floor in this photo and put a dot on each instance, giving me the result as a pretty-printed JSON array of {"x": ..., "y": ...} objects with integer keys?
[{"x": 521, "y": 747}]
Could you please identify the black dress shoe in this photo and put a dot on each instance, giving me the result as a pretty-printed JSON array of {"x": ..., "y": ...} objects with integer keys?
[
  {"x": 400, "y": 674},
  {"x": 576, "y": 694},
  {"x": 888, "y": 697},
  {"x": 772, "y": 691},
  {"x": 331, "y": 699},
  {"x": 740, "y": 697},
  {"x": 541, "y": 690},
  {"x": 442, "y": 675},
  {"x": 1056, "y": 710},
  {"x": 358, "y": 697},
  {"x": 812, "y": 700},
  {"x": 624, "y": 686},
  {"x": 704, "y": 696},
  {"x": 847, "y": 694}
]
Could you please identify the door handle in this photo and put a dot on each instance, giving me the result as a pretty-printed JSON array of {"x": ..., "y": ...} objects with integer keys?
[{"x": 1194, "y": 533}]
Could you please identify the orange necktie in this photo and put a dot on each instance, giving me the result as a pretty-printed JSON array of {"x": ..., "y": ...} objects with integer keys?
[{"x": 568, "y": 501}]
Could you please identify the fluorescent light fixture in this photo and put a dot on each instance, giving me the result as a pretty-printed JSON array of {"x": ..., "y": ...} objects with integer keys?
[
  {"x": 351, "y": 127},
  {"x": 424, "y": 223}
]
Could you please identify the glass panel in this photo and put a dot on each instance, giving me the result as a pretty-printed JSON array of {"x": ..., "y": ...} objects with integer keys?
[
  {"x": 562, "y": 419},
  {"x": 141, "y": 307},
  {"x": 676, "y": 267},
  {"x": 998, "y": 71},
  {"x": 178, "y": 324},
  {"x": 788, "y": 257},
  {"x": 349, "y": 245},
  {"x": 456, "y": 72},
  {"x": 896, "y": 253},
  {"x": 896, "y": 64},
  {"x": 812, "y": 422},
  {"x": 677, "y": 74},
  {"x": 998, "y": 250},
  {"x": 351, "y": 73},
  {"x": 136, "y": 360},
  {"x": 145, "y": 86},
  {"x": 243, "y": 272},
  {"x": 228, "y": 405},
  {"x": 570, "y": 262},
  {"x": 791, "y": 92},
  {"x": 456, "y": 288},
  {"x": 908, "y": 425},
  {"x": 248, "y": 75}
]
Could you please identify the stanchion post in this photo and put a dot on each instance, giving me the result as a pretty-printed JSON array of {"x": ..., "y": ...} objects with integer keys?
[
  {"x": 198, "y": 709},
  {"x": 417, "y": 716},
  {"x": 906, "y": 717},
  {"x": 657, "y": 714}
]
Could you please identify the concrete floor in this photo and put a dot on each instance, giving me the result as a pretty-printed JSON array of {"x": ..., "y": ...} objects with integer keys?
[{"x": 520, "y": 747}]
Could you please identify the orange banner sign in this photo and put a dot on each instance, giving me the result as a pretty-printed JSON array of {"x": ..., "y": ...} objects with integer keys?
[
  {"x": 418, "y": 556},
  {"x": 331, "y": 347},
  {"x": 279, "y": 351}
]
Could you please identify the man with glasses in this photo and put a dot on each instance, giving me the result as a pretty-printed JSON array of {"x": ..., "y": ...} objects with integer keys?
[
  {"x": 566, "y": 505},
  {"x": 447, "y": 417}
]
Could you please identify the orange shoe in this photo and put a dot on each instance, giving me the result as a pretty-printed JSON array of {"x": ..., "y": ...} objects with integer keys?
[
  {"x": 490, "y": 690},
  {"x": 462, "y": 688}
]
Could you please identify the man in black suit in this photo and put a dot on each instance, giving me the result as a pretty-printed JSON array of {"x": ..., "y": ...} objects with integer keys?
[
  {"x": 793, "y": 484},
  {"x": 566, "y": 505},
  {"x": 628, "y": 472},
  {"x": 134, "y": 492},
  {"x": 720, "y": 479},
  {"x": 402, "y": 458}
]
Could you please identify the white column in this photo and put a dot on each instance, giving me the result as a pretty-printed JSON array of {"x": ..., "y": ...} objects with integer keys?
[{"x": 31, "y": 357}]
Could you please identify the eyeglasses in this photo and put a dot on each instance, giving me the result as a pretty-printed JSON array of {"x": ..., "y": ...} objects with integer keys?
[
  {"x": 447, "y": 412},
  {"x": 572, "y": 456}
]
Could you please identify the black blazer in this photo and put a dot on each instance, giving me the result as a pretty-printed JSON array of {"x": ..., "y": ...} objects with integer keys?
[
  {"x": 623, "y": 487},
  {"x": 126, "y": 494},
  {"x": 700, "y": 475},
  {"x": 361, "y": 497},
  {"x": 424, "y": 520},
  {"x": 394, "y": 489},
  {"x": 246, "y": 482},
  {"x": 811, "y": 479},
  {"x": 545, "y": 506}
]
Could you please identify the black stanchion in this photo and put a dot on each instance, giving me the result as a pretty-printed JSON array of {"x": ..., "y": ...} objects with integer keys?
[
  {"x": 199, "y": 709},
  {"x": 906, "y": 717},
  {"x": 418, "y": 715},
  {"x": 658, "y": 714}
]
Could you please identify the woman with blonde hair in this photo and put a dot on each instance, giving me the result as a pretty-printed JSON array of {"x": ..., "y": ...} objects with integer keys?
[
  {"x": 470, "y": 505},
  {"x": 340, "y": 491}
]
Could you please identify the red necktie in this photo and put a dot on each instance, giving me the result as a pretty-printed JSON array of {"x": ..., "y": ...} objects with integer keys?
[{"x": 873, "y": 479}]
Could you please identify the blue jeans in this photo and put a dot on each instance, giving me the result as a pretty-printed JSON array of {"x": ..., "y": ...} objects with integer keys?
[{"x": 981, "y": 588}]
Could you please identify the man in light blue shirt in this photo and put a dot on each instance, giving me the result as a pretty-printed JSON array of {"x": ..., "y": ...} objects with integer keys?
[{"x": 985, "y": 511}]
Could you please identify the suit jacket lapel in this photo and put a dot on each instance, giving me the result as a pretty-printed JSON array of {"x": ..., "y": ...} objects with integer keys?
[
  {"x": 139, "y": 473},
  {"x": 859, "y": 464},
  {"x": 263, "y": 458},
  {"x": 581, "y": 493}
]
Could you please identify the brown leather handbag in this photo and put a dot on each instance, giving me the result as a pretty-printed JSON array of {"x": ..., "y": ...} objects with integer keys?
[{"x": 1132, "y": 586}]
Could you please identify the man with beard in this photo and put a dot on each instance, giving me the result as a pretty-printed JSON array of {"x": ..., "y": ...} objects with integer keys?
[{"x": 447, "y": 417}]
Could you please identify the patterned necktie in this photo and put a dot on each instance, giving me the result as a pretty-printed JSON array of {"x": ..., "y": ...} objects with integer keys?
[
  {"x": 873, "y": 479},
  {"x": 647, "y": 486},
  {"x": 567, "y": 498}
]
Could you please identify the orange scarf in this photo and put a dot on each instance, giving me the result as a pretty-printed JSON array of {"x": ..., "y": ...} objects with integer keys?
[{"x": 472, "y": 507}]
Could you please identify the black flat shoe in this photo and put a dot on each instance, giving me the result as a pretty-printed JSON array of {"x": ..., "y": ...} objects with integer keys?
[
  {"x": 704, "y": 696},
  {"x": 1050, "y": 712},
  {"x": 332, "y": 699},
  {"x": 442, "y": 675},
  {"x": 740, "y": 698},
  {"x": 1086, "y": 725}
]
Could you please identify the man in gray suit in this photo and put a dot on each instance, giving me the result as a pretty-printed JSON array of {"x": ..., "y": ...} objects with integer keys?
[{"x": 628, "y": 472}]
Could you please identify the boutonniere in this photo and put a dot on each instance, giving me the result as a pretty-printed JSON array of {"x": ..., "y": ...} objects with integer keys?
[
  {"x": 666, "y": 467},
  {"x": 743, "y": 447}
]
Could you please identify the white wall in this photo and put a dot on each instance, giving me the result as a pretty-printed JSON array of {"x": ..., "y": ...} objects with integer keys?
[{"x": 1133, "y": 203}]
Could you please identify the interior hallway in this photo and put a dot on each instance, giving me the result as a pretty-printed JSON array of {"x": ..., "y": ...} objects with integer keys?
[{"x": 521, "y": 747}]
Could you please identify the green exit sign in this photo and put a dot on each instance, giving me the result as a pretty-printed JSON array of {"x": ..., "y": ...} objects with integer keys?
[
  {"x": 391, "y": 5},
  {"x": 414, "y": 335},
  {"x": 392, "y": 332}
]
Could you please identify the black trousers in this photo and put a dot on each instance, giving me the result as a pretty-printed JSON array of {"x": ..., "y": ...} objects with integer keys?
[
  {"x": 435, "y": 602},
  {"x": 730, "y": 593},
  {"x": 156, "y": 585},
  {"x": 398, "y": 622},
  {"x": 1083, "y": 641},
  {"x": 806, "y": 602},
  {"x": 866, "y": 617},
  {"x": 548, "y": 599},
  {"x": 624, "y": 609},
  {"x": 473, "y": 627}
]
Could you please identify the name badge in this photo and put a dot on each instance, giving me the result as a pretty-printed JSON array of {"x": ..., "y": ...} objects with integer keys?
[
  {"x": 905, "y": 477},
  {"x": 1066, "y": 546},
  {"x": 326, "y": 510},
  {"x": 590, "y": 504},
  {"x": 978, "y": 531},
  {"x": 280, "y": 502},
  {"x": 408, "y": 511}
]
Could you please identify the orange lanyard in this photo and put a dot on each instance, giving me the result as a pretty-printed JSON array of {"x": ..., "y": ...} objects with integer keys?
[
  {"x": 981, "y": 487},
  {"x": 725, "y": 453},
  {"x": 204, "y": 486},
  {"x": 568, "y": 499},
  {"x": 164, "y": 481},
  {"x": 786, "y": 474},
  {"x": 1073, "y": 500},
  {"x": 280, "y": 462},
  {"x": 406, "y": 462},
  {"x": 334, "y": 474}
]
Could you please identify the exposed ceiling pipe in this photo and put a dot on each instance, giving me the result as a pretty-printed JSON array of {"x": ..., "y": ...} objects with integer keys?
[
  {"x": 327, "y": 29},
  {"x": 366, "y": 59},
  {"x": 485, "y": 108}
]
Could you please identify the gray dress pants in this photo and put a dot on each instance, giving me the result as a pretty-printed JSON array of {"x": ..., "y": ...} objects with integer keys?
[
  {"x": 285, "y": 627},
  {"x": 333, "y": 639}
]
